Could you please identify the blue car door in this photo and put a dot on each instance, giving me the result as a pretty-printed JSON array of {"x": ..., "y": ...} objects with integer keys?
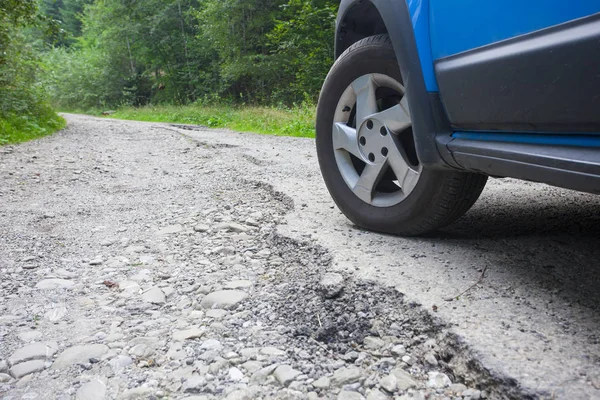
[{"x": 516, "y": 65}]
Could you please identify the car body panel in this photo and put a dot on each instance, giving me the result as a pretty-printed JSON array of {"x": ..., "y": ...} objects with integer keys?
[
  {"x": 509, "y": 100},
  {"x": 462, "y": 25}
]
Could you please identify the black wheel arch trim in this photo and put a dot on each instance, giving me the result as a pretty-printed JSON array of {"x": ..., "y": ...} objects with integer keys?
[{"x": 430, "y": 125}]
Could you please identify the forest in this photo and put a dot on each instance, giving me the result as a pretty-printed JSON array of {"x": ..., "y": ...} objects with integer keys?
[{"x": 98, "y": 55}]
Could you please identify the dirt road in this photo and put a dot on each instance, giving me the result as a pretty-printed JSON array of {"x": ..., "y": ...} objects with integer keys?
[{"x": 145, "y": 260}]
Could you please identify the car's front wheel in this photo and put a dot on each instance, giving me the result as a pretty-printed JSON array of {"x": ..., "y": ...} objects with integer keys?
[{"x": 367, "y": 153}]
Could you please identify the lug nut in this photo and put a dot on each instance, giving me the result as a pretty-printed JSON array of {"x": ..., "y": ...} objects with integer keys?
[
  {"x": 383, "y": 131},
  {"x": 369, "y": 124},
  {"x": 384, "y": 151},
  {"x": 371, "y": 157},
  {"x": 362, "y": 140}
]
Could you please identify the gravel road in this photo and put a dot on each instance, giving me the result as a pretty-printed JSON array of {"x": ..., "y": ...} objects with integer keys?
[{"x": 157, "y": 261}]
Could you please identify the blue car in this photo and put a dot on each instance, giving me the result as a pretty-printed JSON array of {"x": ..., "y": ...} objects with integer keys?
[{"x": 427, "y": 98}]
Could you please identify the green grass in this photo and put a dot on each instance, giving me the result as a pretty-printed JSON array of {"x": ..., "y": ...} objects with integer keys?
[
  {"x": 18, "y": 129},
  {"x": 297, "y": 121}
]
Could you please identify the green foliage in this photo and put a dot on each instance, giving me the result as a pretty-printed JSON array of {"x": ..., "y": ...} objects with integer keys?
[
  {"x": 82, "y": 78},
  {"x": 24, "y": 113},
  {"x": 16, "y": 128},
  {"x": 127, "y": 52}
]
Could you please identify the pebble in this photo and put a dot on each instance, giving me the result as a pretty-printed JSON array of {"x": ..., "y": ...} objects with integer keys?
[
  {"x": 331, "y": 284},
  {"x": 120, "y": 362},
  {"x": 238, "y": 284},
  {"x": 235, "y": 374},
  {"x": 404, "y": 380},
  {"x": 93, "y": 390},
  {"x": 272, "y": 351},
  {"x": 431, "y": 360},
  {"x": 285, "y": 374},
  {"x": 29, "y": 336},
  {"x": 27, "y": 367},
  {"x": 375, "y": 394},
  {"x": 348, "y": 395},
  {"x": 322, "y": 383},
  {"x": 373, "y": 343},
  {"x": 201, "y": 228},
  {"x": 169, "y": 230},
  {"x": 56, "y": 313},
  {"x": 344, "y": 376},
  {"x": 137, "y": 393},
  {"x": 79, "y": 355},
  {"x": 471, "y": 394},
  {"x": 262, "y": 374},
  {"x": 188, "y": 334},
  {"x": 458, "y": 388},
  {"x": 438, "y": 380},
  {"x": 398, "y": 350},
  {"x": 223, "y": 299},
  {"x": 154, "y": 295},
  {"x": 34, "y": 351},
  {"x": 389, "y": 383},
  {"x": 55, "y": 283}
]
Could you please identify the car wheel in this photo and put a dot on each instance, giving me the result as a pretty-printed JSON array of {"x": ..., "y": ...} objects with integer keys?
[{"x": 367, "y": 153}]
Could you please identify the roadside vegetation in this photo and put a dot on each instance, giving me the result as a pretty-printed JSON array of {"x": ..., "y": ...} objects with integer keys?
[
  {"x": 252, "y": 65},
  {"x": 24, "y": 110},
  {"x": 295, "y": 121}
]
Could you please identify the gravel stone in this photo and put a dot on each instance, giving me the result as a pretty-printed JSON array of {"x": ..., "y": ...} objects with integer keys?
[
  {"x": 187, "y": 334},
  {"x": 34, "y": 351},
  {"x": 93, "y": 390},
  {"x": 375, "y": 394},
  {"x": 389, "y": 383},
  {"x": 285, "y": 374},
  {"x": 438, "y": 380},
  {"x": 471, "y": 394},
  {"x": 120, "y": 362},
  {"x": 322, "y": 383},
  {"x": 373, "y": 343},
  {"x": 223, "y": 299},
  {"x": 28, "y": 367},
  {"x": 169, "y": 230},
  {"x": 55, "y": 283},
  {"x": 331, "y": 284},
  {"x": 154, "y": 295},
  {"x": 404, "y": 380},
  {"x": 272, "y": 352},
  {"x": 398, "y": 350},
  {"x": 348, "y": 395},
  {"x": 79, "y": 355},
  {"x": 235, "y": 374},
  {"x": 344, "y": 376}
]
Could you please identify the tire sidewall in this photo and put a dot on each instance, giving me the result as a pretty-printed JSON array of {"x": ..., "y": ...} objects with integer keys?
[{"x": 366, "y": 58}]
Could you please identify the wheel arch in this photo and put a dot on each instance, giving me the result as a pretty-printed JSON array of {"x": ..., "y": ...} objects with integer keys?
[{"x": 358, "y": 19}]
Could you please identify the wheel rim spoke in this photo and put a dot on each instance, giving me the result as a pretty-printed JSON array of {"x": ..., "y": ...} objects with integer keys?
[
  {"x": 344, "y": 137},
  {"x": 407, "y": 176},
  {"x": 395, "y": 118},
  {"x": 370, "y": 177},
  {"x": 366, "y": 102}
]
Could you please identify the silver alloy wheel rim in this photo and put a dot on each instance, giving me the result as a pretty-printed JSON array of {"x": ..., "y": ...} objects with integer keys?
[{"x": 374, "y": 141}]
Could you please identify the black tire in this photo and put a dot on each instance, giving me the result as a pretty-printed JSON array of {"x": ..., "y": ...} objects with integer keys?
[{"x": 439, "y": 197}]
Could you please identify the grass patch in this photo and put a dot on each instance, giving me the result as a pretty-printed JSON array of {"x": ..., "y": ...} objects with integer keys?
[
  {"x": 297, "y": 121},
  {"x": 22, "y": 128}
]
